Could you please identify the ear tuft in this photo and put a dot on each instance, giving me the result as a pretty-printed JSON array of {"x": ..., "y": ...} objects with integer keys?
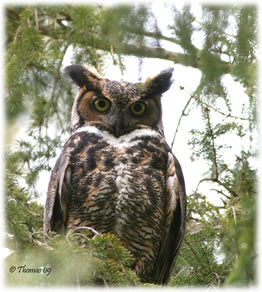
[
  {"x": 83, "y": 76},
  {"x": 160, "y": 83},
  {"x": 77, "y": 73}
]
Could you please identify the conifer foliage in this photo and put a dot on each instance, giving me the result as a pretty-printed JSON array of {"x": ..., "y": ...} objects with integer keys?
[{"x": 219, "y": 246}]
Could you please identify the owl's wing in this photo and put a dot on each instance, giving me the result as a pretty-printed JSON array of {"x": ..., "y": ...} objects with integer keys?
[
  {"x": 175, "y": 221},
  {"x": 59, "y": 190}
]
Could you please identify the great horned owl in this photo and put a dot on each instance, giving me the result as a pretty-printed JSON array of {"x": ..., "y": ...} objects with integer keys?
[{"x": 117, "y": 174}]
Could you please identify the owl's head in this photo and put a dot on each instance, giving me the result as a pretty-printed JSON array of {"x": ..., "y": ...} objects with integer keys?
[{"x": 117, "y": 107}]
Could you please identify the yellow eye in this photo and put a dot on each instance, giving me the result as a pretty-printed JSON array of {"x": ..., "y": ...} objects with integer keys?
[
  {"x": 101, "y": 104},
  {"x": 138, "y": 108}
]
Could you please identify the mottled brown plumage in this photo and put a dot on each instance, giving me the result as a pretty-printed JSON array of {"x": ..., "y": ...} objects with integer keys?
[{"x": 117, "y": 174}]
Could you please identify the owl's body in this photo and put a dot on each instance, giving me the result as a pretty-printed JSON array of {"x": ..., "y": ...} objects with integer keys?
[{"x": 117, "y": 174}]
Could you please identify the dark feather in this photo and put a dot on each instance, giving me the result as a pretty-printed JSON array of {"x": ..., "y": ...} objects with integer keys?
[
  {"x": 173, "y": 237},
  {"x": 59, "y": 190}
]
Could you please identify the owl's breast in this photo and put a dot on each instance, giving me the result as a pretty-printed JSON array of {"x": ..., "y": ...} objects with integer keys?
[{"x": 119, "y": 186}]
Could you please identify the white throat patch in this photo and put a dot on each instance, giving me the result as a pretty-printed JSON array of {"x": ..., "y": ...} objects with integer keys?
[{"x": 124, "y": 139}]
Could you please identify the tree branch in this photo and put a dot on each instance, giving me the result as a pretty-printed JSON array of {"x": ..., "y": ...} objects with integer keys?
[
  {"x": 154, "y": 35},
  {"x": 212, "y": 136},
  {"x": 225, "y": 186},
  {"x": 138, "y": 50},
  {"x": 227, "y": 115},
  {"x": 193, "y": 251},
  {"x": 149, "y": 52},
  {"x": 180, "y": 118}
]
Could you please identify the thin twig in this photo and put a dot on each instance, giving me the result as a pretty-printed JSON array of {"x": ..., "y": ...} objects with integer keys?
[
  {"x": 67, "y": 239},
  {"x": 224, "y": 185},
  {"x": 207, "y": 259},
  {"x": 36, "y": 19},
  {"x": 17, "y": 33},
  {"x": 155, "y": 35},
  {"x": 56, "y": 78},
  {"x": 212, "y": 136},
  {"x": 217, "y": 278},
  {"x": 180, "y": 118},
  {"x": 221, "y": 193},
  {"x": 218, "y": 182},
  {"x": 79, "y": 228},
  {"x": 234, "y": 215},
  {"x": 113, "y": 55},
  {"x": 182, "y": 270},
  {"x": 201, "y": 181},
  {"x": 192, "y": 250},
  {"x": 87, "y": 228},
  {"x": 227, "y": 115}
]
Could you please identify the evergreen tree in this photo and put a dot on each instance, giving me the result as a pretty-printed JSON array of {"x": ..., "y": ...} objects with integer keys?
[{"x": 219, "y": 247}]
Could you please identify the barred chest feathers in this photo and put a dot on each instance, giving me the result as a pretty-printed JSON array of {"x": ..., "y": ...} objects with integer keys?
[{"x": 126, "y": 174}]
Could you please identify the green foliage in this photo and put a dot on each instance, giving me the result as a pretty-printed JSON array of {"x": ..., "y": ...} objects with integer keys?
[
  {"x": 22, "y": 214},
  {"x": 219, "y": 247},
  {"x": 100, "y": 260},
  {"x": 239, "y": 242},
  {"x": 239, "y": 232},
  {"x": 197, "y": 265}
]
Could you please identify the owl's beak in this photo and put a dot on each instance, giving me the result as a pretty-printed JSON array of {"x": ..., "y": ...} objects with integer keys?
[
  {"x": 118, "y": 126},
  {"x": 116, "y": 122}
]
